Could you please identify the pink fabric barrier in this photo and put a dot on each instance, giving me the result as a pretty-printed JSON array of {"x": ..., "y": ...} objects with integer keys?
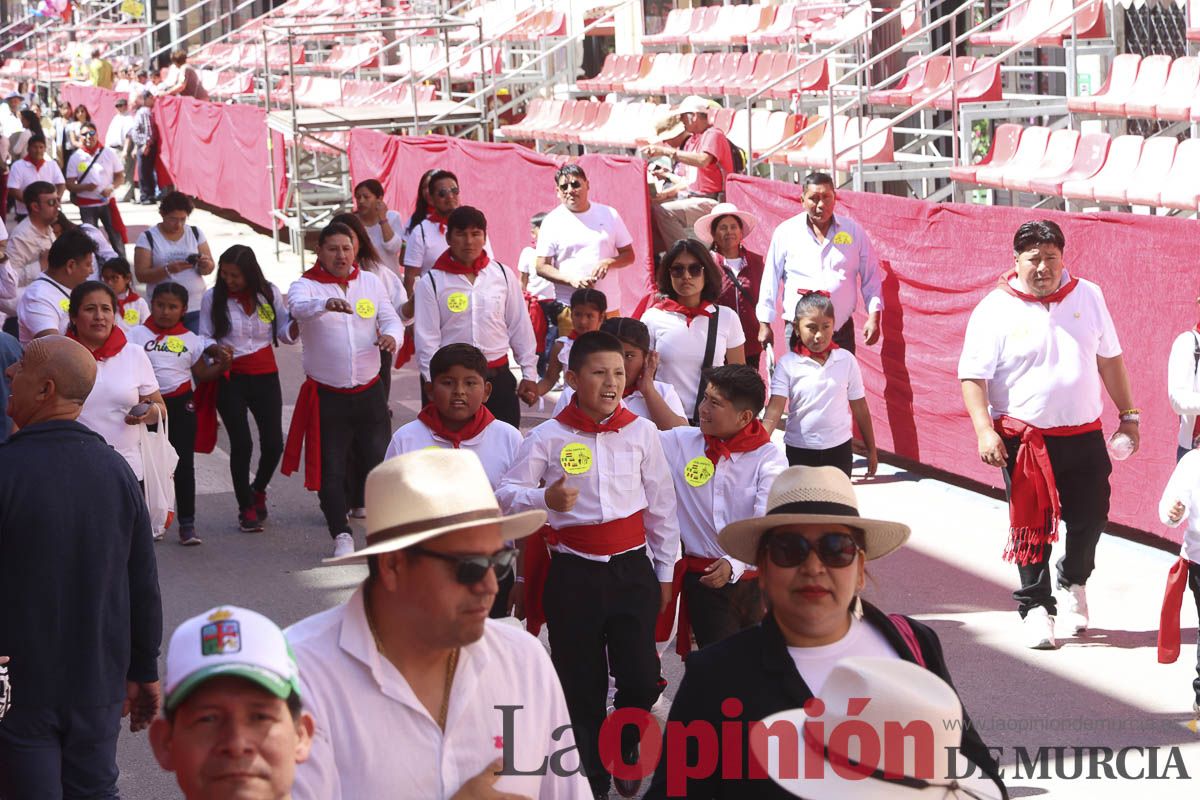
[
  {"x": 100, "y": 103},
  {"x": 509, "y": 183},
  {"x": 941, "y": 259}
]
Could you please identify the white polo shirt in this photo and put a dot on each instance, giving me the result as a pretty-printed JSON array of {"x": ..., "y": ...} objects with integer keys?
[
  {"x": 681, "y": 347},
  {"x": 707, "y": 501},
  {"x": 1039, "y": 362},
  {"x": 374, "y": 738},
  {"x": 171, "y": 356},
  {"x": 1183, "y": 384},
  {"x": 249, "y": 333},
  {"x": 818, "y": 398},
  {"x": 23, "y": 172},
  {"x": 1184, "y": 487},
  {"x": 624, "y": 472},
  {"x": 496, "y": 445},
  {"x": 42, "y": 307},
  {"x": 575, "y": 243},
  {"x": 635, "y": 402},
  {"x": 121, "y": 382},
  {"x": 101, "y": 175}
]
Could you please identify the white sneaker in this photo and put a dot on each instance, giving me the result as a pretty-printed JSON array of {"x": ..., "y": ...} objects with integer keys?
[
  {"x": 1075, "y": 609},
  {"x": 1039, "y": 630},
  {"x": 343, "y": 545},
  {"x": 358, "y": 513}
]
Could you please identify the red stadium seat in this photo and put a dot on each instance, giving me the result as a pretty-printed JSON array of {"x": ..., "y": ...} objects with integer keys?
[
  {"x": 963, "y": 66},
  {"x": 816, "y": 150},
  {"x": 602, "y": 79},
  {"x": 925, "y": 77},
  {"x": 1181, "y": 189},
  {"x": 1089, "y": 23},
  {"x": 739, "y": 66},
  {"x": 1123, "y": 156},
  {"x": 1175, "y": 102},
  {"x": 779, "y": 30},
  {"x": 1060, "y": 153},
  {"x": 764, "y": 73},
  {"x": 1115, "y": 91},
  {"x": 913, "y": 74},
  {"x": 814, "y": 77},
  {"x": 981, "y": 85},
  {"x": 1012, "y": 23},
  {"x": 853, "y": 21},
  {"x": 1089, "y": 158},
  {"x": 1148, "y": 87},
  {"x": 1030, "y": 152},
  {"x": 772, "y": 130},
  {"x": 1146, "y": 182},
  {"x": 678, "y": 21},
  {"x": 873, "y": 136},
  {"x": 1004, "y": 144}
]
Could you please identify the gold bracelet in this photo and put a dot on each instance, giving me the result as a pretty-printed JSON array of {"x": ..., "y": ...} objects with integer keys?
[{"x": 1131, "y": 411}]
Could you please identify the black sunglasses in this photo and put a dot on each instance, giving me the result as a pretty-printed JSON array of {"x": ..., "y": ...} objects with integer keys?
[
  {"x": 695, "y": 270},
  {"x": 470, "y": 570},
  {"x": 453, "y": 190},
  {"x": 562, "y": 187},
  {"x": 834, "y": 549},
  {"x": 86, "y": 134}
]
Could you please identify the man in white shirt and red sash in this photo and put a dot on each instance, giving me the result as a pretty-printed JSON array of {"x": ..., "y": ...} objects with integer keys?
[
  {"x": 345, "y": 319},
  {"x": 1037, "y": 350}
]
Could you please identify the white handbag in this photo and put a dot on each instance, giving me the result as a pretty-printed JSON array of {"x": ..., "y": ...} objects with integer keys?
[{"x": 158, "y": 470}]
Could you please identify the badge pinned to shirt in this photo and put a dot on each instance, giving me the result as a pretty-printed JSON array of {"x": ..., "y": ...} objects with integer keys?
[
  {"x": 364, "y": 308},
  {"x": 131, "y": 316},
  {"x": 842, "y": 237},
  {"x": 575, "y": 458},
  {"x": 699, "y": 471},
  {"x": 458, "y": 302},
  {"x": 176, "y": 345},
  {"x": 267, "y": 314},
  {"x": 65, "y": 305}
]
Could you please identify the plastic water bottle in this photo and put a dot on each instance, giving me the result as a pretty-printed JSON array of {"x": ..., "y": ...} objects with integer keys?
[{"x": 1120, "y": 447}]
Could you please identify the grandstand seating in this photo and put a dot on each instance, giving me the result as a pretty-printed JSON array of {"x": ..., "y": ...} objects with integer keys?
[
  {"x": 1154, "y": 87},
  {"x": 978, "y": 80},
  {"x": 1031, "y": 16},
  {"x": 314, "y": 91}
]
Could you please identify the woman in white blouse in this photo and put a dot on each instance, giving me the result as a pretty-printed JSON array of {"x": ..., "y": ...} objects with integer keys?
[
  {"x": 177, "y": 252},
  {"x": 679, "y": 321},
  {"x": 385, "y": 227}
]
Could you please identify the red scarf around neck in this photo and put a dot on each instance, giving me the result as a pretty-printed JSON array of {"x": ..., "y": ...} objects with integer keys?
[
  {"x": 247, "y": 300},
  {"x": 751, "y": 437},
  {"x": 573, "y": 335},
  {"x": 573, "y": 417},
  {"x": 130, "y": 297},
  {"x": 448, "y": 263},
  {"x": 36, "y": 164},
  {"x": 434, "y": 216},
  {"x": 112, "y": 345},
  {"x": 433, "y": 420},
  {"x": 820, "y": 358},
  {"x": 689, "y": 314},
  {"x": 1057, "y": 296},
  {"x": 91, "y": 151},
  {"x": 322, "y": 275},
  {"x": 177, "y": 329}
]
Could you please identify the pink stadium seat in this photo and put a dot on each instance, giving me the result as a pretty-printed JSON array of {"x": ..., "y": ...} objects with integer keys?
[
  {"x": 854, "y": 20},
  {"x": 1147, "y": 180},
  {"x": 1011, "y": 23},
  {"x": 1089, "y": 158},
  {"x": 716, "y": 26},
  {"x": 735, "y": 26},
  {"x": 981, "y": 85},
  {"x": 1089, "y": 23},
  {"x": 814, "y": 77},
  {"x": 779, "y": 30},
  {"x": 722, "y": 119},
  {"x": 699, "y": 71},
  {"x": 1030, "y": 152},
  {"x": 912, "y": 75},
  {"x": 741, "y": 67},
  {"x": 772, "y": 130},
  {"x": 1060, "y": 153},
  {"x": 875, "y": 137},
  {"x": 602, "y": 79},
  {"x": 1181, "y": 189},
  {"x": 1005, "y": 140},
  {"x": 963, "y": 66},
  {"x": 937, "y": 71},
  {"x": 678, "y": 22},
  {"x": 537, "y": 110},
  {"x": 701, "y": 21},
  {"x": 764, "y": 73},
  {"x": 816, "y": 151},
  {"x": 595, "y": 122},
  {"x": 1123, "y": 156},
  {"x": 1148, "y": 87},
  {"x": 1175, "y": 102},
  {"x": 1115, "y": 91}
]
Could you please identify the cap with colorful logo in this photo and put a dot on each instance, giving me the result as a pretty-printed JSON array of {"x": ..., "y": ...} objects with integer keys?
[{"x": 229, "y": 641}]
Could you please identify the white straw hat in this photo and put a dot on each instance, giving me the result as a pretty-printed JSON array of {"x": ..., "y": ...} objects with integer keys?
[{"x": 703, "y": 226}]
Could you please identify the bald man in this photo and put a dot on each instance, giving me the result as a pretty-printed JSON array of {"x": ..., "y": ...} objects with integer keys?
[{"x": 80, "y": 613}]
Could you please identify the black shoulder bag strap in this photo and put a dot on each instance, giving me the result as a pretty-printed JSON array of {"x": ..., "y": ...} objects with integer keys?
[
  {"x": 710, "y": 350},
  {"x": 1195, "y": 354},
  {"x": 742, "y": 290}
]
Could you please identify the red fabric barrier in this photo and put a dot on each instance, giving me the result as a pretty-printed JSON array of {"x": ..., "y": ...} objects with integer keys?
[
  {"x": 509, "y": 183},
  {"x": 941, "y": 259},
  {"x": 100, "y": 103}
]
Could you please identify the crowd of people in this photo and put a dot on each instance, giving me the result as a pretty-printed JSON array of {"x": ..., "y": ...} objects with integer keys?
[{"x": 653, "y": 506}]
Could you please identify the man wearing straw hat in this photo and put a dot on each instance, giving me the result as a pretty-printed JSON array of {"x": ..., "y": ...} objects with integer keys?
[{"x": 409, "y": 676}]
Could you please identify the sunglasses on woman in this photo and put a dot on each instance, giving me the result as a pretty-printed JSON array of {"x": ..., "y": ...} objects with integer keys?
[
  {"x": 562, "y": 187},
  {"x": 834, "y": 549},
  {"x": 470, "y": 570},
  {"x": 453, "y": 190},
  {"x": 695, "y": 270}
]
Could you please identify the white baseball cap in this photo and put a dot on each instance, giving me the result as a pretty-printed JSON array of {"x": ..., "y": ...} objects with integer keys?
[{"x": 228, "y": 640}]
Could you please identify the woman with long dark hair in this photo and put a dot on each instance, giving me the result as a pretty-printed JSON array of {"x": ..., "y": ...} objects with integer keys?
[{"x": 384, "y": 226}]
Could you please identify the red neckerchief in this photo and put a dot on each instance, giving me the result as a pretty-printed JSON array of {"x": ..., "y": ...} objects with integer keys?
[
  {"x": 322, "y": 275},
  {"x": 448, "y": 263},
  {"x": 112, "y": 345},
  {"x": 246, "y": 299},
  {"x": 751, "y": 437},
  {"x": 689, "y": 314},
  {"x": 1057, "y": 296},
  {"x": 433, "y": 420},
  {"x": 630, "y": 388},
  {"x": 95, "y": 149},
  {"x": 573, "y": 335},
  {"x": 176, "y": 330},
  {"x": 573, "y": 417},
  {"x": 820, "y": 358},
  {"x": 130, "y": 297},
  {"x": 434, "y": 216},
  {"x": 36, "y": 164}
]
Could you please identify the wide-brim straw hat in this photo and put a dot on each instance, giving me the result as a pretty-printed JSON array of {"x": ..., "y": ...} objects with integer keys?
[
  {"x": 666, "y": 127},
  {"x": 428, "y": 493},
  {"x": 703, "y": 226},
  {"x": 816, "y": 495}
]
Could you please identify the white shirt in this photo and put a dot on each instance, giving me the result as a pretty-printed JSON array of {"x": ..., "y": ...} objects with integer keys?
[
  {"x": 815, "y": 663},
  {"x": 118, "y": 129},
  {"x": 166, "y": 251},
  {"x": 389, "y": 251},
  {"x": 681, "y": 347},
  {"x": 121, "y": 382},
  {"x": 340, "y": 350},
  {"x": 707, "y": 502},
  {"x": 564, "y": 352},
  {"x": 374, "y": 738},
  {"x": 135, "y": 315},
  {"x": 1183, "y": 384},
  {"x": 104, "y": 248},
  {"x": 425, "y": 243},
  {"x": 23, "y": 172},
  {"x": 248, "y": 333},
  {"x": 838, "y": 265},
  {"x": 43, "y": 307},
  {"x": 628, "y": 473},
  {"x": 635, "y": 402},
  {"x": 392, "y": 285},
  {"x": 575, "y": 243},
  {"x": 490, "y": 314},
  {"x": 1039, "y": 363},
  {"x": 496, "y": 445},
  {"x": 537, "y": 286},
  {"x": 1184, "y": 487},
  {"x": 101, "y": 175},
  {"x": 25, "y": 247},
  {"x": 818, "y": 398},
  {"x": 172, "y": 357}
]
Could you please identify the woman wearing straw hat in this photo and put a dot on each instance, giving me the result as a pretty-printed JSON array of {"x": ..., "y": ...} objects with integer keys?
[
  {"x": 811, "y": 549},
  {"x": 724, "y": 229}
]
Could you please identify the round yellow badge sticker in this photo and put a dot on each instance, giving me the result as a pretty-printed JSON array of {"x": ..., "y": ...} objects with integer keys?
[
  {"x": 575, "y": 458},
  {"x": 843, "y": 238},
  {"x": 699, "y": 471},
  {"x": 457, "y": 302},
  {"x": 364, "y": 308},
  {"x": 267, "y": 314},
  {"x": 131, "y": 316},
  {"x": 64, "y": 304},
  {"x": 175, "y": 344}
]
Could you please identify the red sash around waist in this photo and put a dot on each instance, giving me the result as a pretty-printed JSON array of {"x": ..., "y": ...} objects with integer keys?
[
  {"x": 260, "y": 362},
  {"x": 666, "y": 620},
  {"x": 183, "y": 389},
  {"x": 305, "y": 431},
  {"x": 1168, "y": 621}
]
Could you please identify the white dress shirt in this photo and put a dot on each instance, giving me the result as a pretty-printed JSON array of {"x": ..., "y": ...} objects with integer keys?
[
  {"x": 1039, "y": 362},
  {"x": 171, "y": 356},
  {"x": 1183, "y": 384},
  {"x": 23, "y": 172},
  {"x": 1184, "y": 487},
  {"x": 425, "y": 243},
  {"x": 681, "y": 346},
  {"x": 496, "y": 445},
  {"x": 42, "y": 307},
  {"x": 736, "y": 490},
  {"x": 489, "y": 313},
  {"x": 26, "y": 243},
  {"x": 340, "y": 349},
  {"x": 374, "y": 739},
  {"x": 389, "y": 251},
  {"x": 628, "y": 473},
  {"x": 635, "y": 402},
  {"x": 121, "y": 381},
  {"x": 248, "y": 333},
  {"x": 818, "y": 397},
  {"x": 393, "y": 285},
  {"x": 838, "y": 266}
]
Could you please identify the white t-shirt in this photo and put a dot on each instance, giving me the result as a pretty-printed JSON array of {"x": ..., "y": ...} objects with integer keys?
[
  {"x": 575, "y": 243},
  {"x": 23, "y": 172},
  {"x": 818, "y": 398},
  {"x": 537, "y": 286},
  {"x": 1184, "y": 487},
  {"x": 635, "y": 402},
  {"x": 104, "y": 248},
  {"x": 389, "y": 252},
  {"x": 134, "y": 314},
  {"x": 121, "y": 382},
  {"x": 165, "y": 251},
  {"x": 496, "y": 445},
  {"x": 681, "y": 347},
  {"x": 862, "y": 640},
  {"x": 101, "y": 175},
  {"x": 42, "y": 307},
  {"x": 1039, "y": 362},
  {"x": 171, "y": 356}
]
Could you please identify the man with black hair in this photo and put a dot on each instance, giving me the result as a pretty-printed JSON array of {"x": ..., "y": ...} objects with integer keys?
[
  {"x": 28, "y": 248},
  {"x": 42, "y": 309}
]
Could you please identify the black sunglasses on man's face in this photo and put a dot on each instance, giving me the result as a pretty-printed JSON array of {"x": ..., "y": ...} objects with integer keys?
[{"x": 470, "y": 570}]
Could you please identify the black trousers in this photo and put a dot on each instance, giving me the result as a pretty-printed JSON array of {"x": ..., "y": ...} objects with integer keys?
[
  {"x": 717, "y": 614},
  {"x": 1081, "y": 469},
  {"x": 550, "y": 309},
  {"x": 52, "y": 754},
  {"x": 843, "y": 337},
  {"x": 841, "y": 457},
  {"x": 181, "y": 433},
  {"x": 354, "y": 438},
  {"x": 503, "y": 403},
  {"x": 385, "y": 372},
  {"x": 601, "y": 617},
  {"x": 101, "y": 217},
  {"x": 147, "y": 177},
  {"x": 238, "y": 397},
  {"x": 1194, "y": 585}
]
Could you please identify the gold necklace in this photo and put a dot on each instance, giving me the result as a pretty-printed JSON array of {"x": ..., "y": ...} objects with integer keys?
[{"x": 451, "y": 665}]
